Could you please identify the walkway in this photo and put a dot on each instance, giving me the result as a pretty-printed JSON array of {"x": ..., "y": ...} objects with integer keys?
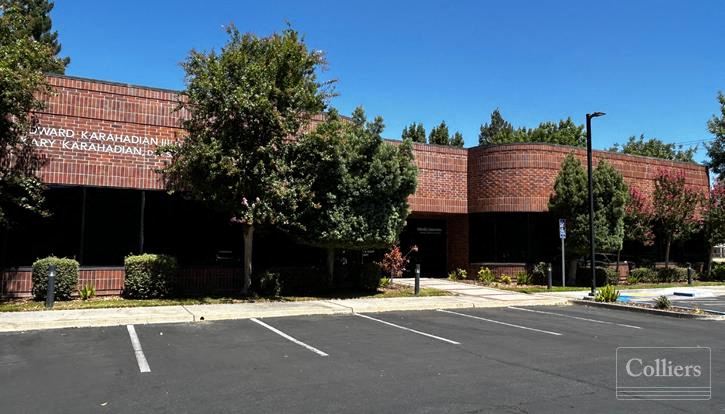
[{"x": 476, "y": 291}]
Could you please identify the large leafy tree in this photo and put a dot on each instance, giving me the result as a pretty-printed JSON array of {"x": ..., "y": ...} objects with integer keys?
[
  {"x": 439, "y": 135},
  {"x": 716, "y": 150},
  {"x": 674, "y": 209},
  {"x": 23, "y": 60},
  {"x": 360, "y": 184},
  {"x": 39, "y": 25},
  {"x": 638, "y": 218},
  {"x": 243, "y": 103},
  {"x": 414, "y": 132},
  {"x": 654, "y": 147},
  {"x": 570, "y": 200},
  {"x": 500, "y": 131},
  {"x": 714, "y": 217}
]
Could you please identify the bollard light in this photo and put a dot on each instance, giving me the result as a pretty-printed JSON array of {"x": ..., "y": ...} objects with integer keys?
[
  {"x": 50, "y": 294},
  {"x": 548, "y": 277},
  {"x": 689, "y": 274},
  {"x": 417, "y": 279}
]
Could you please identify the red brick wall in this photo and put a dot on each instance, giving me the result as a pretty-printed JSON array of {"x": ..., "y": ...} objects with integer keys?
[
  {"x": 108, "y": 281},
  {"x": 520, "y": 177},
  {"x": 442, "y": 178},
  {"x": 457, "y": 234}
]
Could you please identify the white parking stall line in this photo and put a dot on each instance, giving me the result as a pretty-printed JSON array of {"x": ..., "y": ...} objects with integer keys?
[
  {"x": 409, "y": 329},
  {"x": 143, "y": 365},
  {"x": 284, "y": 335},
  {"x": 500, "y": 323},
  {"x": 563, "y": 315}
]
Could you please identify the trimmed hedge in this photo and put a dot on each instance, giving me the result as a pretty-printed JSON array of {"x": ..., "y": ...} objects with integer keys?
[
  {"x": 66, "y": 277},
  {"x": 718, "y": 272},
  {"x": 269, "y": 284},
  {"x": 642, "y": 275},
  {"x": 149, "y": 276},
  {"x": 672, "y": 274},
  {"x": 370, "y": 275}
]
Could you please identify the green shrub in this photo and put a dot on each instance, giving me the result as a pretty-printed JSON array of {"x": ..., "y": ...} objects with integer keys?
[
  {"x": 539, "y": 273},
  {"x": 523, "y": 278},
  {"x": 717, "y": 273},
  {"x": 458, "y": 274},
  {"x": 270, "y": 284},
  {"x": 370, "y": 276},
  {"x": 87, "y": 291},
  {"x": 607, "y": 294},
  {"x": 663, "y": 302},
  {"x": 485, "y": 276},
  {"x": 149, "y": 276},
  {"x": 384, "y": 283},
  {"x": 303, "y": 280},
  {"x": 66, "y": 277},
  {"x": 671, "y": 274},
  {"x": 642, "y": 275},
  {"x": 505, "y": 279}
]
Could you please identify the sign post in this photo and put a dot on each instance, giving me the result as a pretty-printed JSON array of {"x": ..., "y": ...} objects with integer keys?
[{"x": 562, "y": 236}]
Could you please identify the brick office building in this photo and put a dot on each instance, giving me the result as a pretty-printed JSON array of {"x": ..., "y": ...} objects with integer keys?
[{"x": 472, "y": 206}]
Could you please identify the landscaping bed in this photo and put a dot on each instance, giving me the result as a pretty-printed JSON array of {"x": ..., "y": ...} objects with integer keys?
[
  {"x": 674, "y": 311},
  {"x": 393, "y": 291}
]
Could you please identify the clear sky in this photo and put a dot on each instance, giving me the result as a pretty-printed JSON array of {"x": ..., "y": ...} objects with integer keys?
[{"x": 655, "y": 67}]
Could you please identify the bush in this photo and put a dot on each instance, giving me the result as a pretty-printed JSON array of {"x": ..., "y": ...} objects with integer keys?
[
  {"x": 384, "y": 282},
  {"x": 149, "y": 276},
  {"x": 539, "y": 273},
  {"x": 458, "y": 274},
  {"x": 672, "y": 274},
  {"x": 663, "y": 302},
  {"x": 370, "y": 276},
  {"x": 66, "y": 277},
  {"x": 718, "y": 272},
  {"x": 87, "y": 291},
  {"x": 523, "y": 278},
  {"x": 485, "y": 276},
  {"x": 270, "y": 284},
  {"x": 505, "y": 279},
  {"x": 607, "y": 294},
  {"x": 642, "y": 275},
  {"x": 302, "y": 280}
]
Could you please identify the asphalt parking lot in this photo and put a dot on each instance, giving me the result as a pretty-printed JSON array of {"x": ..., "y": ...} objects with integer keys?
[
  {"x": 715, "y": 303},
  {"x": 515, "y": 360}
]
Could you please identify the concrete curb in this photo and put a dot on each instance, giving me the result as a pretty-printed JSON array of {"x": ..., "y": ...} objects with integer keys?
[
  {"x": 660, "y": 312},
  {"x": 82, "y": 318}
]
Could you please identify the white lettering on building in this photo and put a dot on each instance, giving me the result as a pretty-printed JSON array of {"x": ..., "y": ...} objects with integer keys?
[{"x": 96, "y": 141}]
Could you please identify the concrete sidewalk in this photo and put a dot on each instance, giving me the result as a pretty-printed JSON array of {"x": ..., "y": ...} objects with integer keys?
[
  {"x": 25, "y": 321},
  {"x": 470, "y": 290}
]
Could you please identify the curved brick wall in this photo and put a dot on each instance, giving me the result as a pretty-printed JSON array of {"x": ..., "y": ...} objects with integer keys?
[{"x": 520, "y": 177}]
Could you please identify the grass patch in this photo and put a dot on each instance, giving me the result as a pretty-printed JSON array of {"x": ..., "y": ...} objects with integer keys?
[
  {"x": 540, "y": 289},
  {"x": 20, "y": 305}
]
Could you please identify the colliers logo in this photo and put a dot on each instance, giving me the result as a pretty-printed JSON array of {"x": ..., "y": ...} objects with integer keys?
[{"x": 672, "y": 373}]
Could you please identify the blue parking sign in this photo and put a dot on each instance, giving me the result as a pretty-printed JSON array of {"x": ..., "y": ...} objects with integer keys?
[{"x": 562, "y": 229}]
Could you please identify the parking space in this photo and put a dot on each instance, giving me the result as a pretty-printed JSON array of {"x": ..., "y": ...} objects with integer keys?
[{"x": 520, "y": 359}]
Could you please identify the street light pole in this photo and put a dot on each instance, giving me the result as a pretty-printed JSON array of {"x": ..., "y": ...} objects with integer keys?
[{"x": 592, "y": 264}]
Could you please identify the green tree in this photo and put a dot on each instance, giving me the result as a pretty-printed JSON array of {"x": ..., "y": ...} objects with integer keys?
[
  {"x": 716, "y": 150},
  {"x": 674, "y": 211},
  {"x": 654, "y": 147},
  {"x": 457, "y": 140},
  {"x": 570, "y": 200},
  {"x": 714, "y": 218},
  {"x": 243, "y": 103},
  {"x": 439, "y": 134},
  {"x": 360, "y": 183},
  {"x": 415, "y": 132},
  {"x": 22, "y": 65},
  {"x": 638, "y": 218},
  {"x": 497, "y": 131},
  {"x": 39, "y": 25}
]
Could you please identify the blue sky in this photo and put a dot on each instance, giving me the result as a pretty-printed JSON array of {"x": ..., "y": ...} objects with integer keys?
[{"x": 655, "y": 67}]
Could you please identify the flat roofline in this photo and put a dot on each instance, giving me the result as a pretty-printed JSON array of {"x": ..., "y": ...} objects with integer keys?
[{"x": 106, "y": 82}]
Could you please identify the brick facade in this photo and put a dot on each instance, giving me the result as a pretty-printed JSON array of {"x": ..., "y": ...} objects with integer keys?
[{"x": 105, "y": 134}]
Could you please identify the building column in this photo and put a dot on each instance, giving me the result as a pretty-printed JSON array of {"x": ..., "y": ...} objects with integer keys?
[{"x": 458, "y": 242}]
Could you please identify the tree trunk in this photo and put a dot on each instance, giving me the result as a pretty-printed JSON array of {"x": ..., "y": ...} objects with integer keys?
[
  {"x": 709, "y": 260},
  {"x": 330, "y": 265},
  {"x": 248, "y": 231},
  {"x": 667, "y": 252},
  {"x": 571, "y": 273}
]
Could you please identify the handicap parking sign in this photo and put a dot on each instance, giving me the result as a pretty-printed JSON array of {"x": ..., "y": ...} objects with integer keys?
[{"x": 562, "y": 229}]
